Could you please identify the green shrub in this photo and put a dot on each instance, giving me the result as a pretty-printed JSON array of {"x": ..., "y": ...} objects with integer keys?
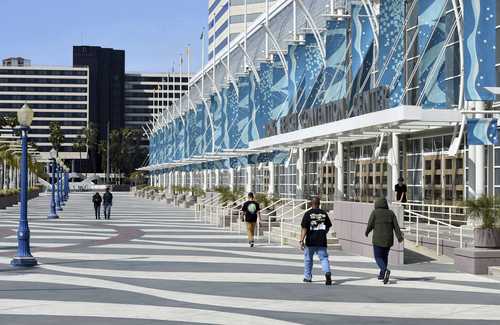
[
  {"x": 486, "y": 208},
  {"x": 262, "y": 199},
  {"x": 198, "y": 191}
]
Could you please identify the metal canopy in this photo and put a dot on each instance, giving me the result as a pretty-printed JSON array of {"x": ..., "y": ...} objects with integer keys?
[{"x": 401, "y": 119}]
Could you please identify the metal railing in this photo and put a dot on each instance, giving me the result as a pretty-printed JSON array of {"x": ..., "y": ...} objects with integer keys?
[
  {"x": 450, "y": 214},
  {"x": 202, "y": 209},
  {"x": 429, "y": 222},
  {"x": 290, "y": 220}
]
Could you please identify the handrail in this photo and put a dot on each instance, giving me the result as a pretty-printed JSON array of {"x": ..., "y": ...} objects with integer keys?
[
  {"x": 437, "y": 222},
  {"x": 282, "y": 218},
  {"x": 274, "y": 204}
]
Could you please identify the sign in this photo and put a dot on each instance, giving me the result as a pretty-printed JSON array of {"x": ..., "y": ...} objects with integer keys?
[{"x": 363, "y": 103}]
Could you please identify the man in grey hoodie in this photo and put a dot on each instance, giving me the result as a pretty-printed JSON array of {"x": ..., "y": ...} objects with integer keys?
[{"x": 384, "y": 224}]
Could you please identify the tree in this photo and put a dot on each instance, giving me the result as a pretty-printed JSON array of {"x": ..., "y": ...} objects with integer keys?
[
  {"x": 90, "y": 134},
  {"x": 56, "y": 136},
  {"x": 80, "y": 145},
  {"x": 125, "y": 150}
]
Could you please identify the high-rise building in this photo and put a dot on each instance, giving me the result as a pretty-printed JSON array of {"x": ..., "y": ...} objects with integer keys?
[
  {"x": 106, "y": 90},
  {"x": 229, "y": 18},
  {"x": 55, "y": 94},
  {"x": 148, "y": 93}
]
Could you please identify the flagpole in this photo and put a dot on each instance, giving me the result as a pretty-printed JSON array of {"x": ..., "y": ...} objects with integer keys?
[
  {"x": 203, "y": 63},
  {"x": 180, "y": 84},
  {"x": 189, "y": 71}
]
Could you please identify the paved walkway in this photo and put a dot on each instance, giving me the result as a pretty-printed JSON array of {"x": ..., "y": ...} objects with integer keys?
[{"x": 152, "y": 264}]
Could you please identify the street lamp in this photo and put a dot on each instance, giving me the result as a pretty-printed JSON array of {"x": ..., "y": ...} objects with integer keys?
[
  {"x": 60, "y": 183},
  {"x": 66, "y": 187},
  {"x": 52, "y": 166},
  {"x": 24, "y": 257},
  {"x": 58, "y": 194}
]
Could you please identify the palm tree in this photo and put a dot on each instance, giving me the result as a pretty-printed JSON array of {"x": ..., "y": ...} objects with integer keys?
[
  {"x": 56, "y": 136},
  {"x": 90, "y": 135},
  {"x": 79, "y": 145}
]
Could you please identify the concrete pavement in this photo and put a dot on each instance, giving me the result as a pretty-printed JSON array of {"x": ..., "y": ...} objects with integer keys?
[{"x": 154, "y": 264}]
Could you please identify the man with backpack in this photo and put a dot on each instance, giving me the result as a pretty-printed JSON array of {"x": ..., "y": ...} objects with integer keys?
[
  {"x": 251, "y": 209},
  {"x": 313, "y": 240}
]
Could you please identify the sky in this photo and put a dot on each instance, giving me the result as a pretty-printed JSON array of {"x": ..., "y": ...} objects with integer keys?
[{"x": 153, "y": 33}]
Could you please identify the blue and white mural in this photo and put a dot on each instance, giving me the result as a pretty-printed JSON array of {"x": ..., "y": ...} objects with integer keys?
[
  {"x": 333, "y": 82},
  {"x": 480, "y": 48},
  {"x": 431, "y": 42},
  {"x": 295, "y": 56},
  {"x": 311, "y": 74},
  {"x": 240, "y": 115},
  {"x": 231, "y": 115},
  {"x": 263, "y": 101},
  {"x": 482, "y": 131},
  {"x": 362, "y": 48},
  {"x": 391, "y": 48},
  {"x": 244, "y": 112},
  {"x": 279, "y": 91}
]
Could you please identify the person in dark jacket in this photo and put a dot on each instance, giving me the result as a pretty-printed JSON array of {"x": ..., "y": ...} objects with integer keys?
[
  {"x": 96, "y": 199},
  {"x": 252, "y": 211},
  {"x": 107, "y": 199},
  {"x": 313, "y": 240},
  {"x": 384, "y": 224}
]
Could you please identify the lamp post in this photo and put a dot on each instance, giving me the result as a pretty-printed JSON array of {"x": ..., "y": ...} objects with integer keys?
[
  {"x": 58, "y": 194},
  {"x": 24, "y": 257},
  {"x": 52, "y": 212},
  {"x": 66, "y": 187},
  {"x": 60, "y": 187}
]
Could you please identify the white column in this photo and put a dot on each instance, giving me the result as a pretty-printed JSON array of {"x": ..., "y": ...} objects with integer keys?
[
  {"x": 270, "y": 191},
  {"x": 339, "y": 169},
  {"x": 248, "y": 187},
  {"x": 217, "y": 177},
  {"x": 300, "y": 174},
  {"x": 170, "y": 181},
  {"x": 231, "y": 178},
  {"x": 151, "y": 179},
  {"x": 191, "y": 179},
  {"x": 165, "y": 180},
  {"x": 394, "y": 163},
  {"x": 210, "y": 181},
  {"x": 205, "y": 180},
  {"x": 479, "y": 157},
  {"x": 183, "y": 179}
]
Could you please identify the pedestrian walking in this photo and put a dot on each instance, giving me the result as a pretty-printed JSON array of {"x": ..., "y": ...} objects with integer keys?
[
  {"x": 384, "y": 224},
  {"x": 313, "y": 240},
  {"x": 251, "y": 208},
  {"x": 400, "y": 189},
  {"x": 97, "y": 200},
  {"x": 108, "y": 202}
]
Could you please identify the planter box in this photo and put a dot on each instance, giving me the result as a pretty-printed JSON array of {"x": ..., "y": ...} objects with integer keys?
[
  {"x": 476, "y": 260},
  {"x": 10, "y": 200},
  {"x": 487, "y": 238}
]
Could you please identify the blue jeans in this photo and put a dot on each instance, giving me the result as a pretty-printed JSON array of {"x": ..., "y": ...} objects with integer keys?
[
  {"x": 308, "y": 260},
  {"x": 381, "y": 258},
  {"x": 107, "y": 211}
]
